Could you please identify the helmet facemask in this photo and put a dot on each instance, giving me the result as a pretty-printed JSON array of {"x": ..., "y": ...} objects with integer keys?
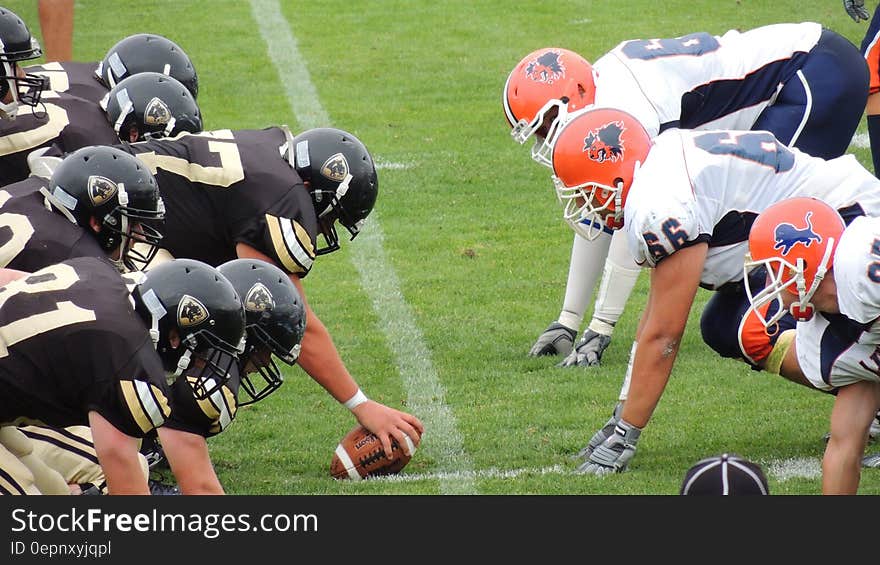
[
  {"x": 333, "y": 212},
  {"x": 784, "y": 276},
  {"x": 582, "y": 214},
  {"x": 257, "y": 358},
  {"x": 26, "y": 90},
  {"x": 127, "y": 225}
]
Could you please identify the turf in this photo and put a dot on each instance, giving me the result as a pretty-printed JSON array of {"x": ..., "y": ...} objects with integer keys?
[{"x": 473, "y": 236}]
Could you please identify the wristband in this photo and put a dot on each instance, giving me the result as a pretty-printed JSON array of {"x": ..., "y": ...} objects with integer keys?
[{"x": 356, "y": 400}]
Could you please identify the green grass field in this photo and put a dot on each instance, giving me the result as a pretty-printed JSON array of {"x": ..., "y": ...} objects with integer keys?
[{"x": 472, "y": 238}]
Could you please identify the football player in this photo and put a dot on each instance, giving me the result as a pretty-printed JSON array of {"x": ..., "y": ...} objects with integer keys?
[
  {"x": 138, "y": 107},
  {"x": 17, "y": 87},
  {"x": 803, "y": 83},
  {"x": 138, "y": 53},
  {"x": 72, "y": 216},
  {"x": 84, "y": 346},
  {"x": 274, "y": 325},
  {"x": 98, "y": 202},
  {"x": 686, "y": 201},
  {"x": 265, "y": 194},
  {"x": 828, "y": 275}
]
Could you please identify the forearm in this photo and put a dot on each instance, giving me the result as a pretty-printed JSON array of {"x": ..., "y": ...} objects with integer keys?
[
  {"x": 118, "y": 456},
  {"x": 190, "y": 461},
  {"x": 651, "y": 369}
]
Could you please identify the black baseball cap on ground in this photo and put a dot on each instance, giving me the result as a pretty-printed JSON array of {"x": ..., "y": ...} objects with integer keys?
[{"x": 725, "y": 474}]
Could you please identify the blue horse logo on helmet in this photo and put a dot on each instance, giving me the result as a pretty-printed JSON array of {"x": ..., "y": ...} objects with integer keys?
[{"x": 787, "y": 235}]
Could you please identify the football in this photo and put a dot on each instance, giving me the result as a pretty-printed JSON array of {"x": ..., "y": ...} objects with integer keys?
[{"x": 360, "y": 455}]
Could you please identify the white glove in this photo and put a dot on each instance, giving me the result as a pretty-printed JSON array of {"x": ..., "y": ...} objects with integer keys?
[
  {"x": 556, "y": 340},
  {"x": 856, "y": 9},
  {"x": 613, "y": 455},
  {"x": 588, "y": 351},
  {"x": 601, "y": 435}
]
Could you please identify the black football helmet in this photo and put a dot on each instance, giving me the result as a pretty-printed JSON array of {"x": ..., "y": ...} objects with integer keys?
[
  {"x": 119, "y": 191},
  {"x": 17, "y": 44},
  {"x": 153, "y": 105},
  {"x": 191, "y": 301},
  {"x": 145, "y": 52},
  {"x": 275, "y": 322},
  {"x": 341, "y": 177}
]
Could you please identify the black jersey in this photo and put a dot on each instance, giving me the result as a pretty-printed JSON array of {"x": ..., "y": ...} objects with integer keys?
[
  {"x": 63, "y": 122},
  {"x": 70, "y": 343},
  {"x": 226, "y": 187},
  {"x": 32, "y": 236},
  {"x": 206, "y": 417},
  {"x": 78, "y": 79}
]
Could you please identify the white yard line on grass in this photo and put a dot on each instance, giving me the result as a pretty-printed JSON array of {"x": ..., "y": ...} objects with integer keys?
[
  {"x": 425, "y": 393},
  {"x": 799, "y": 468}
]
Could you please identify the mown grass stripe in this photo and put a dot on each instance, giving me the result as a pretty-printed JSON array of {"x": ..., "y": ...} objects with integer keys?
[{"x": 425, "y": 393}]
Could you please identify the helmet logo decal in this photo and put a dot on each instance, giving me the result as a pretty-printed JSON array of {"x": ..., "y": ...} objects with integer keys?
[
  {"x": 259, "y": 299},
  {"x": 786, "y": 235},
  {"x": 157, "y": 113},
  {"x": 604, "y": 143},
  {"x": 335, "y": 167},
  {"x": 546, "y": 68},
  {"x": 190, "y": 312},
  {"x": 100, "y": 189}
]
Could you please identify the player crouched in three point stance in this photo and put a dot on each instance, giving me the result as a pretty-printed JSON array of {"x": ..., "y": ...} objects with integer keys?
[
  {"x": 95, "y": 348},
  {"x": 827, "y": 275},
  {"x": 686, "y": 200}
]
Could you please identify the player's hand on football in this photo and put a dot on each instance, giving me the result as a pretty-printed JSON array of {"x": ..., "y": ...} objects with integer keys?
[
  {"x": 600, "y": 436},
  {"x": 856, "y": 9},
  {"x": 388, "y": 423},
  {"x": 614, "y": 454},
  {"x": 556, "y": 340},
  {"x": 588, "y": 351}
]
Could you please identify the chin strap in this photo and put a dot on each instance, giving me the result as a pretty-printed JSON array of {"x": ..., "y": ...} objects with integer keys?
[
  {"x": 157, "y": 311},
  {"x": 802, "y": 310}
]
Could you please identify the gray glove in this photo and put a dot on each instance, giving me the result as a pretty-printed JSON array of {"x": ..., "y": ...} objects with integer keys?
[
  {"x": 588, "y": 351},
  {"x": 856, "y": 9},
  {"x": 613, "y": 454},
  {"x": 601, "y": 435},
  {"x": 871, "y": 461},
  {"x": 556, "y": 340}
]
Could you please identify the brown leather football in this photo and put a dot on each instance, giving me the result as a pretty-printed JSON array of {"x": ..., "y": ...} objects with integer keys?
[{"x": 360, "y": 455}]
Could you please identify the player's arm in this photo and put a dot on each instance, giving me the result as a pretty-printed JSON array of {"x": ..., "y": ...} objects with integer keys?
[
  {"x": 854, "y": 408},
  {"x": 188, "y": 456},
  {"x": 674, "y": 283},
  {"x": 320, "y": 359},
  {"x": 118, "y": 456}
]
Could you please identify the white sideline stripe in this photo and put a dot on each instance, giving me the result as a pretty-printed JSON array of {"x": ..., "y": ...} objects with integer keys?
[
  {"x": 425, "y": 394},
  {"x": 861, "y": 140}
]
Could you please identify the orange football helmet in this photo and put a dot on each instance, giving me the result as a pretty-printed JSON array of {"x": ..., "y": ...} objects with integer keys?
[
  {"x": 594, "y": 158},
  {"x": 547, "y": 83},
  {"x": 795, "y": 240}
]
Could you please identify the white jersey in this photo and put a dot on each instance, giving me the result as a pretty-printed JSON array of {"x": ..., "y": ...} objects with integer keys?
[
  {"x": 708, "y": 186},
  {"x": 837, "y": 350},
  {"x": 701, "y": 80}
]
